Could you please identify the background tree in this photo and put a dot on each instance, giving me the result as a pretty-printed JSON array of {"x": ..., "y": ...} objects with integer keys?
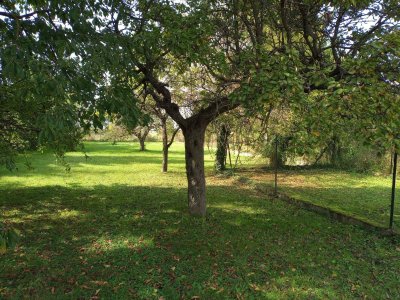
[
  {"x": 222, "y": 147},
  {"x": 167, "y": 129}
]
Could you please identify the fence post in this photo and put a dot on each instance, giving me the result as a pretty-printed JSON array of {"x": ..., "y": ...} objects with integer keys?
[
  {"x": 393, "y": 189},
  {"x": 276, "y": 167}
]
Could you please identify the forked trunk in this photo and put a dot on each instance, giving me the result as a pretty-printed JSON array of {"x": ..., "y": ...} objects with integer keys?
[{"x": 194, "y": 156}]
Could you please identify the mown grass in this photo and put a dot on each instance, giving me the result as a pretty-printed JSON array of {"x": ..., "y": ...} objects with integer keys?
[
  {"x": 115, "y": 227},
  {"x": 366, "y": 197}
]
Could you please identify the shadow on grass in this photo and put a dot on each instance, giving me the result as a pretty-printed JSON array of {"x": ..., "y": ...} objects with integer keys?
[
  {"x": 140, "y": 158},
  {"x": 138, "y": 242},
  {"x": 105, "y": 160},
  {"x": 127, "y": 147}
]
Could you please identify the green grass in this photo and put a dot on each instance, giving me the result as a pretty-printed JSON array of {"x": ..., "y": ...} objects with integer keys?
[
  {"x": 115, "y": 227},
  {"x": 366, "y": 197}
]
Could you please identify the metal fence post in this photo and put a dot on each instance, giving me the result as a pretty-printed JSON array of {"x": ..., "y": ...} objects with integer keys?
[
  {"x": 393, "y": 190},
  {"x": 276, "y": 167}
]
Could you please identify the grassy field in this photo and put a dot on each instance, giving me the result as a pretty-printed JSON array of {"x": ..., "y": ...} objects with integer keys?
[
  {"x": 363, "y": 196},
  {"x": 115, "y": 227}
]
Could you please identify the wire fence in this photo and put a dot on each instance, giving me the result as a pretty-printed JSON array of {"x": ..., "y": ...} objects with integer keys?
[{"x": 366, "y": 197}]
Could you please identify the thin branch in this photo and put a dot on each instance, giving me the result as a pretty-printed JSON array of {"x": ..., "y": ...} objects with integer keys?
[
  {"x": 25, "y": 16},
  {"x": 217, "y": 107},
  {"x": 172, "y": 137}
]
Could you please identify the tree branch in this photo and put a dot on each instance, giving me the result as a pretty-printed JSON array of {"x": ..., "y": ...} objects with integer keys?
[
  {"x": 25, "y": 16},
  {"x": 172, "y": 137},
  {"x": 356, "y": 47}
]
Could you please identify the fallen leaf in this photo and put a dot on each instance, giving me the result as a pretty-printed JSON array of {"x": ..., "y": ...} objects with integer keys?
[{"x": 99, "y": 282}]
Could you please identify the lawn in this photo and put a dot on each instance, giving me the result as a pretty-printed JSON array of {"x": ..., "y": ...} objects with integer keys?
[
  {"x": 363, "y": 196},
  {"x": 115, "y": 227}
]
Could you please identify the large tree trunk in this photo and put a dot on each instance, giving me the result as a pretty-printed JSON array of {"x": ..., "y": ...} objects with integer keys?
[
  {"x": 165, "y": 145},
  {"x": 194, "y": 156}
]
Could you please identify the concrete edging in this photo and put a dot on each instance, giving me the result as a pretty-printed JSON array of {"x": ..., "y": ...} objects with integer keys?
[
  {"x": 327, "y": 212},
  {"x": 324, "y": 211}
]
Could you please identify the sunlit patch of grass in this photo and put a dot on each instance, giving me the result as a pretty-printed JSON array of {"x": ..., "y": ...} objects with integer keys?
[
  {"x": 364, "y": 196},
  {"x": 115, "y": 227}
]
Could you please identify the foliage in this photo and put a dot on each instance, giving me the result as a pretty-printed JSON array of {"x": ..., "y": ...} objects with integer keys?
[
  {"x": 8, "y": 238},
  {"x": 246, "y": 131},
  {"x": 378, "y": 100},
  {"x": 114, "y": 133},
  {"x": 51, "y": 90},
  {"x": 363, "y": 159}
]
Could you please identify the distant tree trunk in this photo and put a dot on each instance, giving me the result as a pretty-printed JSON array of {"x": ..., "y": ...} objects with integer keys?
[
  {"x": 321, "y": 154},
  {"x": 166, "y": 144},
  {"x": 222, "y": 145},
  {"x": 335, "y": 152},
  {"x": 194, "y": 135},
  {"x": 141, "y": 134},
  {"x": 391, "y": 153},
  {"x": 276, "y": 159},
  {"x": 142, "y": 145},
  {"x": 229, "y": 153}
]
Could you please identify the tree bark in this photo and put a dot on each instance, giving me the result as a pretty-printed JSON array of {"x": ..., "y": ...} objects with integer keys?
[
  {"x": 276, "y": 159},
  {"x": 222, "y": 142},
  {"x": 142, "y": 145},
  {"x": 141, "y": 134},
  {"x": 165, "y": 144},
  {"x": 335, "y": 152},
  {"x": 194, "y": 157}
]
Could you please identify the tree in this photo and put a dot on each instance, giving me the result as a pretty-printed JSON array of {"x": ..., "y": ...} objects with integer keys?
[
  {"x": 244, "y": 53},
  {"x": 141, "y": 133},
  {"x": 148, "y": 122},
  {"x": 166, "y": 142},
  {"x": 54, "y": 82},
  {"x": 222, "y": 148}
]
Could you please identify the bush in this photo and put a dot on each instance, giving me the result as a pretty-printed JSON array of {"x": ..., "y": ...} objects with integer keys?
[{"x": 364, "y": 159}]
